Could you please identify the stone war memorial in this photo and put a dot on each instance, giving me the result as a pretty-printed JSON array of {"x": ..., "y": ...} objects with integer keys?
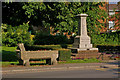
[{"x": 82, "y": 42}]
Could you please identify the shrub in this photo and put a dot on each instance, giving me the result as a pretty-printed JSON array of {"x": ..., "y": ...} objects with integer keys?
[
  {"x": 106, "y": 39},
  {"x": 109, "y": 48},
  {"x": 64, "y": 55},
  {"x": 13, "y": 35},
  {"x": 63, "y": 45},
  {"x": 42, "y": 47},
  {"x": 35, "y": 48},
  {"x": 46, "y": 39}
]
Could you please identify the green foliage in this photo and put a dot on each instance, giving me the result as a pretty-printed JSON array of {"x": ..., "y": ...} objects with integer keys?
[
  {"x": 45, "y": 47},
  {"x": 64, "y": 45},
  {"x": 106, "y": 38},
  {"x": 9, "y": 54},
  {"x": 13, "y": 35},
  {"x": 6, "y": 64},
  {"x": 45, "y": 39},
  {"x": 108, "y": 48},
  {"x": 64, "y": 55},
  {"x": 82, "y": 61},
  {"x": 13, "y": 14},
  {"x": 38, "y": 47},
  {"x": 60, "y": 15}
]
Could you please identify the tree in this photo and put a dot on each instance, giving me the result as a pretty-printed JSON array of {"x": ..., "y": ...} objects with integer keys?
[
  {"x": 60, "y": 15},
  {"x": 13, "y": 14}
]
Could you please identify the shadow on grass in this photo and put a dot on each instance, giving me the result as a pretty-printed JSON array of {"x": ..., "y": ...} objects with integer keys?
[
  {"x": 9, "y": 56},
  {"x": 36, "y": 64},
  {"x": 109, "y": 48},
  {"x": 8, "y": 64}
]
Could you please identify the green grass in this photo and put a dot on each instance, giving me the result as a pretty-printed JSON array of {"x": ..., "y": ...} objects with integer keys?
[
  {"x": 82, "y": 61},
  {"x": 5, "y": 64},
  {"x": 9, "y": 48},
  {"x": 9, "y": 54}
]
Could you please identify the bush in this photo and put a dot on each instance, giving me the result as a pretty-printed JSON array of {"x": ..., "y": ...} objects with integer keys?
[
  {"x": 42, "y": 47},
  {"x": 108, "y": 48},
  {"x": 46, "y": 39},
  {"x": 64, "y": 55},
  {"x": 106, "y": 38},
  {"x": 64, "y": 45},
  {"x": 11, "y": 36},
  {"x": 35, "y": 48}
]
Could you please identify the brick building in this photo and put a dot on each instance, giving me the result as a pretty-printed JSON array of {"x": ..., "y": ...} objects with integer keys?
[{"x": 114, "y": 10}]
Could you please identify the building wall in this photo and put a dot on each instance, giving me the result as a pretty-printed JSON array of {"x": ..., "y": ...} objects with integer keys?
[{"x": 114, "y": 19}]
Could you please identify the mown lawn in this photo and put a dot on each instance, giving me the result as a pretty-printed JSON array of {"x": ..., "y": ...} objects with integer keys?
[
  {"x": 82, "y": 61},
  {"x": 9, "y": 54}
]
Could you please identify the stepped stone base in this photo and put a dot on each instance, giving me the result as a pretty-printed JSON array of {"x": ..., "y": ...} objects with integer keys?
[
  {"x": 86, "y": 55},
  {"x": 90, "y": 54}
]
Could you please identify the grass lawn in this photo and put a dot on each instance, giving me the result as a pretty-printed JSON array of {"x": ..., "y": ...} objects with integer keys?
[
  {"x": 81, "y": 61},
  {"x": 9, "y": 54},
  {"x": 9, "y": 48},
  {"x": 6, "y": 64}
]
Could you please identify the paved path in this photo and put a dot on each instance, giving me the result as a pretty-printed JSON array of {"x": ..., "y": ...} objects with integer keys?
[
  {"x": 76, "y": 70},
  {"x": 58, "y": 67},
  {"x": 86, "y": 73}
]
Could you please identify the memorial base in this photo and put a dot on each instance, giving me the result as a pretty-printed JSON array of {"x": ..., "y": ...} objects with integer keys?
[{"x": 85, "y": 53}]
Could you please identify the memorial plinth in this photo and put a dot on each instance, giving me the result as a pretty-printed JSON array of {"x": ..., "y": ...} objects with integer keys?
[{"x": 82, "y": 41}]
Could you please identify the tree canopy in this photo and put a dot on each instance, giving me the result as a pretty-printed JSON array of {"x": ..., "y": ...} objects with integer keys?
[{"x": 60, "y": 15}]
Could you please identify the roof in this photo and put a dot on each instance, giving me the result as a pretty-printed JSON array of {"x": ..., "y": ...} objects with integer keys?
[{"x": 113, "y": 6}]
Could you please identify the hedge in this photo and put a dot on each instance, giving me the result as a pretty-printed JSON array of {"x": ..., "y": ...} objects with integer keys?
[
  {"x": 47, "y": 39},
  {"x": 46, "y": 47},
  {"x": 109, "y": 48},
  {"x": 112, "y": 38},
  {"x": 64, "y": 55}
]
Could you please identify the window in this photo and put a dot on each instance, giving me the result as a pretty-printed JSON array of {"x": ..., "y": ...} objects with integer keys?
[
  {"x": 111, "y": 13},
  {"x": 111, "y": 24}
]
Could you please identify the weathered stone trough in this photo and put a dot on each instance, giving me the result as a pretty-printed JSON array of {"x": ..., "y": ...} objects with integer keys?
[{"x": 24, "y": 56}]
